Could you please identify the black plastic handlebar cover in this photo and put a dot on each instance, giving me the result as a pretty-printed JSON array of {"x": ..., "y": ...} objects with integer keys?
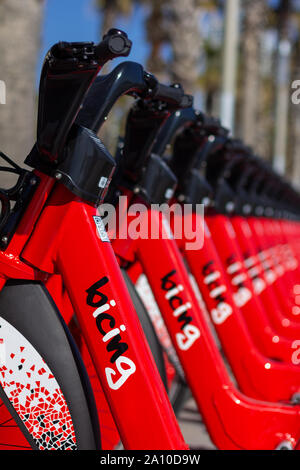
[
  {"x": 142, "y": 126},
  {"x": 191, "y": 130},
  {"x": 127, "y": 77},
  {"x": 238, "y": 146},
  {"x": 173, "y": 94},
  {"x": 68, "y": 71},
  {"x": 87, "y": 166},
  {"x": 212, "y": 146},
  {"x": 114, "y": 44},
  {"x": 176, "y": 122},
  {"x": 212, "y": 125},
  {"x": 144, "y": 119},
  {"x": 197, "y": 136},
  {"x": 144, "y": 123}
]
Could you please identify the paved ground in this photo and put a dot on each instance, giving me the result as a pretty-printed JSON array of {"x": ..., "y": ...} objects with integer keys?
[{"x": 193, "y": 428}]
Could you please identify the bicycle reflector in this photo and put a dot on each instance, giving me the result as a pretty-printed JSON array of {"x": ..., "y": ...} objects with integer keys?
[{"x": 87, "y": 166}]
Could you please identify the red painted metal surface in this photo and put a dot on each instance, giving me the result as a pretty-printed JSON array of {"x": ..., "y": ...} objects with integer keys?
[
  {"x": 266, "y": 379},
  {"x": 233, "y": 420},
  {"x": 74, "y": 251},
  {"x": 90, "y": 271},
  {"x": 282, "y": 319},
  {"x": 268, "y": 273}
]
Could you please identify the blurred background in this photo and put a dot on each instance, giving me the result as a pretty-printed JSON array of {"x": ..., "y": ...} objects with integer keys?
[{"x": 240, "y": 59}]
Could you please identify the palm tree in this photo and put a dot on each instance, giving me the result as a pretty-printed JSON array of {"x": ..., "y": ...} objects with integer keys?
[
  {"x": 20, "y": 25},
  {"x": 157, "y": 36},
  {"x": 255, "y": 13},
  {"x": 110, "y": 10},
  {"x": 293, "y": 166},
  {"x": 283, "y": 64},
  {"x": 172, "y": 22},
  {"x": 186, "y": 42}
]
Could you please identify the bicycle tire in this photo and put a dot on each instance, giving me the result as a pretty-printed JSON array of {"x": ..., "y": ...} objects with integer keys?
[
  {"x": 147, "y": 327},
  {"x": 44, "y": 390}
]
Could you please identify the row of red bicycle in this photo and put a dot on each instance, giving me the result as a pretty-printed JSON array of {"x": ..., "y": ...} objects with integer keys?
[{"x": 127, "y": 281}]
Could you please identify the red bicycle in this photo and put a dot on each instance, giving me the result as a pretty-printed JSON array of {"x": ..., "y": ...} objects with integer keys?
[
  {"x": 217, "y": 398},
  {"x": 52, "y": 231},
  {"x": 51, "y": 405}
]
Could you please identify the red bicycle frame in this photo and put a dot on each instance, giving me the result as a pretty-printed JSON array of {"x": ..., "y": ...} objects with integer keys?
[
  {"x": 233, "y": 420},
  {"x": 272, "y": 264},
  {"x": 91, "y": 275},
  {"x": 282, "y": 254},
  {"x": 262, "y": 377},
  {"x": 283, "y": 320},
  {"x": 267, "y": 272}
]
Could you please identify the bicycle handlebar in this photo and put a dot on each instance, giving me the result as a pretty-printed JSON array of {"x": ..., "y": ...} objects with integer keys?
[
  {"x": 172, "y": 94},
  {"x": 212, "y": 125},
  {"x": 105, "y": 91},
  {"x": 238, "y": 146},
  {"x": 115, "y": 44},
  {"x": 203, "y": 126},
  {"x": 128, "y": 78},
  {"x": 176, "y": 122},
  {"x": 62, "y": 88},
  {"x": 234, "y": 153}
]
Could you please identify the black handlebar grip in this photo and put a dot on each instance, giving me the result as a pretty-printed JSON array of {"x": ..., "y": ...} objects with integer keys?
[
  {"x": 213, "y": 125},
  {"x": 115, "y": 44},
  {"x": 210, "y": 121},
  {"x": 187, "y": 101},
  {"x": 237, "y": 145},
  {"x": 173, "y": 94}
]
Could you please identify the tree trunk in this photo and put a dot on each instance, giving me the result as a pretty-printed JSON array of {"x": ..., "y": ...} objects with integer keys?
[
  {"x": 294, "y": 161},
  {"x": 110, "y": 9},
  {"x": 255, "y": 12},
  {"x": 186, "y": 43},
  {"x": 109, "y": 15},
  {"x": 282, "y": 86},
  {"x": 265, "y": 118},
  {"x": 20, "y": 24},
  {"x": 157, "y": 35}
]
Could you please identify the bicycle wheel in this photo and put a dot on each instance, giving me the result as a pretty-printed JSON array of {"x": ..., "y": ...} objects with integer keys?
[
  {"x": 177, "y": 388},
  {"x": 45, "y": 397},
  {"x": 148, "y": 328}
]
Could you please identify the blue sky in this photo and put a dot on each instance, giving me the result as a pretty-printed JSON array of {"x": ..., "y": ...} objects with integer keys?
[{"x": 78, "y": 20}]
